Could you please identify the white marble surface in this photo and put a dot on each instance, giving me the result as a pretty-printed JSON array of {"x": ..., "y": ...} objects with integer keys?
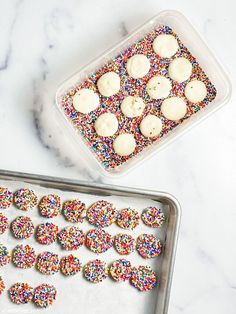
[{"x": 44, "y": 42}]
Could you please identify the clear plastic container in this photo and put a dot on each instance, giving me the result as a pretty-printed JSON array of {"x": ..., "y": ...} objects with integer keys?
[{"x": 191, "y": 39}]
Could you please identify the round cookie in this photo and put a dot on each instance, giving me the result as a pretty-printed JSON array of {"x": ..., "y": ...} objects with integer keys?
[
  {"x": 138, "y": 66},
  {"x": 95, "y": 271},
  {"x": 23, "y": 256},
  {"x": 106, "y": 124},
  {"x": 148, "y": 246},
  {"x": 165, "y": 45},
  {"x": 174, "y": 108},
  {"x": 70, "y": 265},
  {"x": 48, "y": 263},
  {"x": 109, "y": 84},
  {"x": 50, "y": 205},
  {"x": 98, "y": 241},
  {"x": 101, "y": 214},
  {"x": 21, "y": 293},
  {"x": 180, "y": 69},
  {"x": 44, "y": 295},
  {"x": 2, "y": 285},
  {"x": 25, "y": 199},
  {"x": 132, "y": 106},
  {"x": 121, "y": 270},
  {"x": 71, "y": 238},
  {"x": 22, "y": 227},
  {"x": 85, "y": 101},
  {"x": 6, "y": 198},
  {"x": 4, "y": 224},
  {"x": 124, "y": 144},
  {"x": 158, "y": 87},
  {"x": 153, "y": 217},
  {"x": 74, "y": 211},
  {"x": 151, "y": 126},
  {"x": 128, "y": 218},
  {"x": 124, "y": 243},
  {"x": 46, "y": 233},
  {"x": 195, "y": 91},
  {"x": 143, "y": 278},
  {"x": 5, "y": 257}
]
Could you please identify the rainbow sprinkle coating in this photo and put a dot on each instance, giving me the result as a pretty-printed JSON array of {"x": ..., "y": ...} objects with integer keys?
[
  {"x": 21, "y": 293},
  {"x": 153, "y": 217},
  {"x": 4, "y": 255},
  {"x": 98, "y": 241},
  {"x": 74, "y": 211},
  {"x": 23, "y": 256},
  {"x": 101, "y": 214},
  {"x": 95, "y": 271},
  {"x": 128, "y": 218},
  {"x": 3, "y": 223},
  {"x": 22, "y": 227},
  {"x": 50, "y": 205},
  {"x": 25, "y": 199},
  {"x": 47, "y": 233},
  {"x": 121, "y": 270},
  {"x": 124, "y": 243},
  {"x": 102, "y": 147},
  {"x": 44, "y": 295},
  {"x": 148, "y": 246},
  {"x": 143, "y": 278},
  {"x": 70, "y": 265},
  {"x": 6, "y": 198},
  {"x": 2, "y": 285},
  {"x": 48, "y": 263},
  {"x": 71, "y": 238}
]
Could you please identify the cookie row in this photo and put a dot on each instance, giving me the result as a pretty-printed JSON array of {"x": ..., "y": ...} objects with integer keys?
[{"x": 100, "y": 214}]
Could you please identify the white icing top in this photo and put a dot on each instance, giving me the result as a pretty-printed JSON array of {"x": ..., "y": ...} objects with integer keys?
[
  {"x": 180, "y": 69},
  {"x": 138, "y": 66},
  {"x": 195, "y": 91},
  {"x": 151, "y": 126},
  {"x": 174, "y": 108},
  {"x": 165, "y": 45},
  {"x": 132, "y": 106},
  {"x": 109, "y": 84},
  {"x": 124, "y": 144},
  {"x": 158, "y": 87},
  {"x": 85, "y": 100},
  {"x": 106, "y": 124}
]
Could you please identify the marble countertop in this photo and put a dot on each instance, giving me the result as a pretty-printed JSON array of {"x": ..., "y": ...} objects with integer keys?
[{"x": 44, "y": 42}]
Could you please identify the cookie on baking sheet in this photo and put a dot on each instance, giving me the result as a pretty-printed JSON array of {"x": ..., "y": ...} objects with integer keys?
[
  {"x": 101, "y": 214},
  {"x": 4, "y": 224},
  {"x": 2, "y": 285},
  {"x": 128, "y": 218},
  {"x": 98, "y": 241},
  {"x": 143, "y": 278},
  {"x": 25, "y": 199},
  {"x": 50, "y": 205},
  {"x": 21, "y": 293},
  {"x": 6, "y": 198},
  {"x": 120, "y": 270},
  {"x": 95, "y": 271},
  {"x": 5, "y": 256},
  {"x": 23, "y": 256},
  {"x": 153, "y": 217},
  {"x": 70, "y": 265},
  {"x": 71, "y": 238},
  {"x": 46, "y": 233},
  {"x": 74, "y": 211},
  {"x": 44, "y": 295},
  {"x": 22, "y": 227},
  {"x": 48, "y": 263},
  {"x": 124, "y": 243},
  {"x": 148, "y": 245}
]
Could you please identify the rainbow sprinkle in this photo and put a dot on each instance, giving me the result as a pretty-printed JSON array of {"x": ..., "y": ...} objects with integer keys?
[
  {"x": 70, "y": 265},
  {"x": 148, "y": 246},
  {"x": 101, "y": 214},
  {"x": 143, "y": 278},
  {"x": 95, "y": 271},
  {"x": 98, "y": 241},
  {"x": 50, "y": 205},
  {"x": 71, "y": 238},
  {"x": 48, "y": 263},
  {"x": 23, "y": 256},
  {"x": 44, "y": 295},
  {"x": 128, "y": 218},
  {"x": 153, "y": 217},
  {"x": 121, "y": 270},
  {"x": 21, "y": 293},
  {"x": 47, "y": 233},
  {"x": 25, "y": 199},
  {"x": 124, "y": 243},
  {"x": 6, "y": 198},
  {"x": 22, "y": 227},
  {"x": 102, "y": 147}
]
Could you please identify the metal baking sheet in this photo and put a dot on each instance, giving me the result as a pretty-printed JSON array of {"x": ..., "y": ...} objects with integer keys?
[{"x": 76, "y": 292}]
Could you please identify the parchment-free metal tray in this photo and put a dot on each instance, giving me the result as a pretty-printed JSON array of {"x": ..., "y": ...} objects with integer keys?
[{"x": 161, "y": 293}]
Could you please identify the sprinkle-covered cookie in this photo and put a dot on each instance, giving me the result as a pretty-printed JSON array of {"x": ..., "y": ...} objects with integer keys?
[
  {"x": 124, "y": 243},
  {"x": 48, "y": 263},
  {"x": 25, "y": 199},
  {"x": 74, "y": 211},
  {"x": 148, "y": 245},
  {"x": 71, "y": 238},
  {"x": 120, "y": 270},
  {"x": 4, "y": 255},
  {"x": 95, "y": 271},
  {"x": 47, "y": 233},
  {"x": 21, "y": 293},
  {"x": 70, "y": 265},
  {"x": 23, "y": 256},
  {"x": 22, "y": 227},
  {"x": 128, "y": 218},
  {"x": 153, "y": 217},
  {"x": 44, "y": 295},
  {"x": 50, "y": 205},
  {"x": 6, "y": 198},
  {"x": 143, "y": 278},
  {"x": 101, "y": 214},
  {"x": 3, "y": 223},
  {"x": 98, "y": 240},
  {"x": 2, "y": 285}
]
